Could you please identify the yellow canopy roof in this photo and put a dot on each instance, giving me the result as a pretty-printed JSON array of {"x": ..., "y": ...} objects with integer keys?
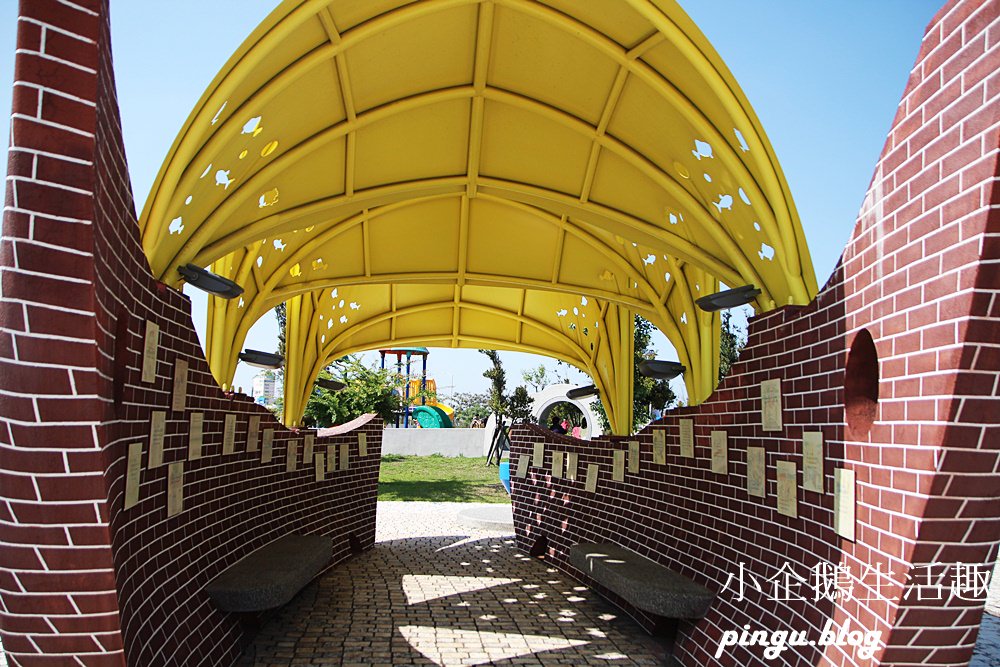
[{"x": 477, "y": 173}]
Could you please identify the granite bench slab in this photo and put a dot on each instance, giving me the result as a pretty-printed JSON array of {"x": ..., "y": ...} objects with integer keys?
[
  {"x": 641, "y": 582},
  {"x": 272, "y": 575}
]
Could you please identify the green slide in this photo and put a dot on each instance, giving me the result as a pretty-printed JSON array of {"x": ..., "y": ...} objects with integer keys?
[{"x": 429, "y": 416}]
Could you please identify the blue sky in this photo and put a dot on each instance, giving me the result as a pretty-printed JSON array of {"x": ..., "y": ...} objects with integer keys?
[{"x": 824, "y": 78}]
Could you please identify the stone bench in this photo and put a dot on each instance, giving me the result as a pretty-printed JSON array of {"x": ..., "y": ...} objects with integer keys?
[
  {"x": 641, "y": 582},
  {"x": 271, "y": 575}
]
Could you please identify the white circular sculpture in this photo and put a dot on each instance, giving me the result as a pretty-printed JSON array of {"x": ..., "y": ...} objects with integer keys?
[
  {"x": 542, "y": 404},
  {"x": 548, "y": 398}
]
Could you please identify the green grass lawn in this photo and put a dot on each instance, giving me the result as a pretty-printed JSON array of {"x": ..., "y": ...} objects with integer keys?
[{"x": 439, "y": 479}]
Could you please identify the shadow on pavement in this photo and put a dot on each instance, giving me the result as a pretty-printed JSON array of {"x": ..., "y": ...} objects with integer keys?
[{"x": 445, "y": 601}]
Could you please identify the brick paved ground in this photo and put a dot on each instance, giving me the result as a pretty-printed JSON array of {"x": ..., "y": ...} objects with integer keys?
[
  {"x": 436, "y": 592},
  {"x": 988, "y": 645}
]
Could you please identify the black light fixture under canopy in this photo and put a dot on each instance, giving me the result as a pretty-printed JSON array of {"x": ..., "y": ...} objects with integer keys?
[
  {"x": 582, "y": 392},
  {"x": 730, "y": 298},
  {"x": 329, "y": 384},
  {"x": 209, "y": 282},
  {"x": 661, "y": 370},
  {"x": 258, "y": 359}
]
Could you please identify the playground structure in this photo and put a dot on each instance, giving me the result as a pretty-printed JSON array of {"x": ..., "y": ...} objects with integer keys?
[
  {"x": 428, "y": 413},
  {"x": 431, "y": 413}
]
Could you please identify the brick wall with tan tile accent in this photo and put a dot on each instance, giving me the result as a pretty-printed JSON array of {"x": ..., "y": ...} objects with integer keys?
[
  {"x": 896, "y": 362},
  {"x": 83, "y": 579}
]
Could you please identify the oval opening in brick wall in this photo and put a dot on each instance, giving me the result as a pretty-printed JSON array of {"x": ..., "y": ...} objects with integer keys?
[{"x": 861, "y": 385}]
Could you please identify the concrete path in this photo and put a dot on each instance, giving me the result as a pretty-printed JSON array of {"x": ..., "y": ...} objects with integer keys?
[{"x": 439, "y": 591}]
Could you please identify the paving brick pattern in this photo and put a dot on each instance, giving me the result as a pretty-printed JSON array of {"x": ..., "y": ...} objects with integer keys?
[
  {"x": 988, "y": 643},
  {"x": 436, "y": 591}
]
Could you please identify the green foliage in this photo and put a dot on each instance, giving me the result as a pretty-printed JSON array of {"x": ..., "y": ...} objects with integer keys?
[
  {"x": 423, "y": 396},
  {"x": 468, "y": 406},
  {"x": 278, "y": 409},
  {"x": 567, "y": 411},
  {"x": 281, "y": 313},
  {"x": 602, "y": 415},
  {"x": 498, "y": 380},
  {"x": 369, "y": 389},
  {"x": 562, "y": 372},
  {"x": 520, "y": 404},
  {"x": 647, "y": 393},
  {"x": 538, "y": 378},
  {"x": 731, "y": 344}
]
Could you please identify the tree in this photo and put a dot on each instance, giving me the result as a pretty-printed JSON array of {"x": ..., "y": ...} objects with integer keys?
[
  {"x": 520, "y": 405},
  {"x": 498, "y": 383},
  {"x": 562, "y": 371},
  {"x": 468, "y": 407},
  {"x": 278, "y": 408},
  {"x": 568, "y": 412},
  {"x": 731, "y": 344},
  {"x": 281, "y": 312},
  {"x": 498, "y": 405},
  {"x": 538, "y": 378},
  {"x": 647, "y": 393},
  {"x": 367, "y": 389}
]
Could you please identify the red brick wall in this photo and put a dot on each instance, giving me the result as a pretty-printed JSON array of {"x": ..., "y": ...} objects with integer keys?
[
  {"x": 80, "y": 576},
  {"x": 921, "y": 276},
  {"x": 57, "y": 582}
]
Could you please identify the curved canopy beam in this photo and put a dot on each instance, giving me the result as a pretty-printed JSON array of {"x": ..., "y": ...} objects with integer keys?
[
  {"x": 325, "y": 326},
  {"x": 554, "y": 148},
  {"x": 212, "y": 236},
  {"x": 630, "y": 276}
]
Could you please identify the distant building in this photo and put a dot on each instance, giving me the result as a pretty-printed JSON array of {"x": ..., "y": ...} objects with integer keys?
[{"x": 264, "y": 385}]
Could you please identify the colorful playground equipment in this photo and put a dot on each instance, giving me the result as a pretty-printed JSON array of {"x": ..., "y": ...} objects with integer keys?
[{"x": 428, "y": 413}]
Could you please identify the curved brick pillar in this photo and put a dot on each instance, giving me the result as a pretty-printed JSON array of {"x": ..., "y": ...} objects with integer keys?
[
  {"x": 921, "y": 278},
  {"x": 56, "y": 565},
  {"x": 928, "y": 293}
]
